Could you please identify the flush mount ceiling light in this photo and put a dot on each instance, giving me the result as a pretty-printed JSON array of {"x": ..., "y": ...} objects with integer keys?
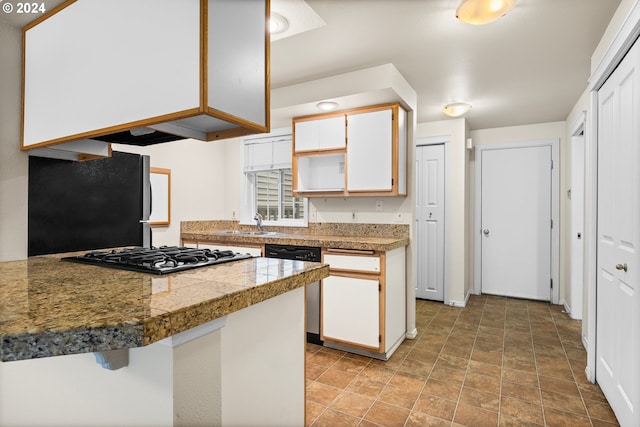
[
  {"x": 456, "y": 109},
  {"x": 478, "y": 12},
  {"x": 278, "y": 23},
  {"x": 327, "y": 105}
]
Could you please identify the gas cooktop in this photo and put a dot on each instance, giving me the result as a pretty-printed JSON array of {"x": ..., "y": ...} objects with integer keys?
[{"x": 161, "y": 260}]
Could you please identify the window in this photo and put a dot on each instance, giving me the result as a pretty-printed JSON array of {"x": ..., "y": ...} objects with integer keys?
[{"x": 269, "y": 182}]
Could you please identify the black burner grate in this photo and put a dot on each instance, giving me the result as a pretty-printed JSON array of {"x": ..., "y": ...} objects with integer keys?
[{"x": 161, "y": 260}]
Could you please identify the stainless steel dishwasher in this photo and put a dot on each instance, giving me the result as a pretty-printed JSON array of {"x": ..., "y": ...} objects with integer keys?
[{"x": 303, "y": 253}]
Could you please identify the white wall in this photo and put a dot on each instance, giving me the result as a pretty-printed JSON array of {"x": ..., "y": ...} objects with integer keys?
[
  {"x": 198, "y": 181},
  {"x": 13, "y": 162}
]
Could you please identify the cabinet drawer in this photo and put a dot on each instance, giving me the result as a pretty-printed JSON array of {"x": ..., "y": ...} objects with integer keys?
[{"x": 369, "y": 264}]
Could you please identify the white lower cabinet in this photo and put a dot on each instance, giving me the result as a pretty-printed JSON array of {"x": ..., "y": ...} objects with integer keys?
[
  {"x": 352, "y": 312},
  {"x": 363, "y": 301}
]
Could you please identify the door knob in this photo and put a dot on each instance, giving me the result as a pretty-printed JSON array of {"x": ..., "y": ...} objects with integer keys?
[
  {"x": 486, "y": 231},
  {"x": 622, "y": 266}
]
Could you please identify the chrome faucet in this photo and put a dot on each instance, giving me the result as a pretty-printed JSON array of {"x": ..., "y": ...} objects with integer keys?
[{"x": 258, "y": 219}]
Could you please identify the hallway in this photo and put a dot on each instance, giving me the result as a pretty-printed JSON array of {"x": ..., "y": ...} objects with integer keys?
[{"x": 498, "y": 361}]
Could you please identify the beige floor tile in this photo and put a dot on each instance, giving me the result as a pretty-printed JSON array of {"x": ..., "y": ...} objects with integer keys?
[
  {"x": 313, "y": 410},
  {"x": 313, "y": 371},
  {"x": 416, "y": 367},
  {"x": 468, "y": 415},
  {"x": 321, "y": 393},
  {"x": 407, "y": 382},
  {"x": 436, "y": 406},
  {"x": 520, "y": 377},
  {"x": 522, "y": 392},
  {"x": 485, "y": 368},
  {"x": 444, "y": 389},
  {"x": 377, "y": 373},
  {"x": 452, "y": 362},
  {"x": 600, "y": 410},
  {"x": 418, "y": 419},
  {"x": 498, "y": 361},
  {"x": 529, "y": 412},
  {"x": 486, "y": 383},
  {"x": 445, "y": 374},
  {"x": 558, "y": 418},
  {"x": 365, "y": 387},
  {"x": 563, "y": 402},
  {"x": 352, "y": 404},
  {"x": 480, "y": 399},
  {"x": 492, "y": 357},
  {"x": 558, "y": 385},
  {"x": 331, "y": 418},
  {"x": 352, "y": 366},
  {"x": 387, "y": 415},
  {"x": 399, "y": 396},
  {"x": 336, "y": 378}
]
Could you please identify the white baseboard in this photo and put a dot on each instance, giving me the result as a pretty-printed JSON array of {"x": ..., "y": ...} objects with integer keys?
[
  {"x": 461, "y": 304},
  {"x": 412, "y": 334}
]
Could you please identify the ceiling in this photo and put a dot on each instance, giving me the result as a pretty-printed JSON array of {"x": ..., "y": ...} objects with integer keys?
[{"x": 530, "y": 66}]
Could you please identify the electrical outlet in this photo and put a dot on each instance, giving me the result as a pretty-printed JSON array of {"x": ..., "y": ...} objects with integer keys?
[
  {"x": 234, "y": 214},
  {"x": 378, "y": 205},
  {"x": 354, "y": 215},
  {"x": 313, "y": 215}
]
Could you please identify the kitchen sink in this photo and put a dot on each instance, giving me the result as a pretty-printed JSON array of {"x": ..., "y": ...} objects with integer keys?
[{"x": 248, "y": 233}]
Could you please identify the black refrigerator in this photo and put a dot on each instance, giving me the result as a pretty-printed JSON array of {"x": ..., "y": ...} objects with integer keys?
[{"x": 95, "y": 204}]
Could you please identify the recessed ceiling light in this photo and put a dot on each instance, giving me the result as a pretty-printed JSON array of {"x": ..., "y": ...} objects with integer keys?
[
  {"x": 278, "y": 23},
  {"x": 456, "y": 109},
  {"x": 327, "y": 105}
]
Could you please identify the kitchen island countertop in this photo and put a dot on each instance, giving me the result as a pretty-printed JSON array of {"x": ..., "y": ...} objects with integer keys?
[{"x": 51, "y": 307}]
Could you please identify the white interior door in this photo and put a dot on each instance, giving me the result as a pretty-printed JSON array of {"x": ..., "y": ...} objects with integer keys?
[
  {"x": 575, "y": 298},
  {"x": 516, "y": 222},
  {"x": 430, "y": 221},
  {"x": 618, "y": 260}
]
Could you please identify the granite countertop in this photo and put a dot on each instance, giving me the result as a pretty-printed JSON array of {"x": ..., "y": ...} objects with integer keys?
[
  {"x": 52, "y": 307},
  {"x": 370, "y": 237}
]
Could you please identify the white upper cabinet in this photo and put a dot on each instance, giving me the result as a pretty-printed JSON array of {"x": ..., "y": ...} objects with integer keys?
[
  {"x": 370, "y": 148},
  {"x": 100, "y": 69},
  {"x": 320, "y": 134},
  {"x": 372, "y": 163}
]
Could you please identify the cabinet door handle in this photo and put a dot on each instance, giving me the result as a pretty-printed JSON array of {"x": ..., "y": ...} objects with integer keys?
[{"x": 351, "y": 251}]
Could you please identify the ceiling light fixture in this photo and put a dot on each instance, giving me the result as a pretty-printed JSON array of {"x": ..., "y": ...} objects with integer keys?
[
  {"x": 456, "y": 109},
  {"x": 278, "y": 23},
  {"x": 478, "y": 12},
  {"x": 327, "y": 105}
]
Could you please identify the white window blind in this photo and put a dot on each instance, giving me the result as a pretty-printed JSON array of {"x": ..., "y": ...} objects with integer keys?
[
  {"x": 269, "y": 153},
  {"x": 267, "y": 168}
]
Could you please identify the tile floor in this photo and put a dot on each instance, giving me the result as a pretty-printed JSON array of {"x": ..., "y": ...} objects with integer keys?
[{"x": 498, "y": 361}]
